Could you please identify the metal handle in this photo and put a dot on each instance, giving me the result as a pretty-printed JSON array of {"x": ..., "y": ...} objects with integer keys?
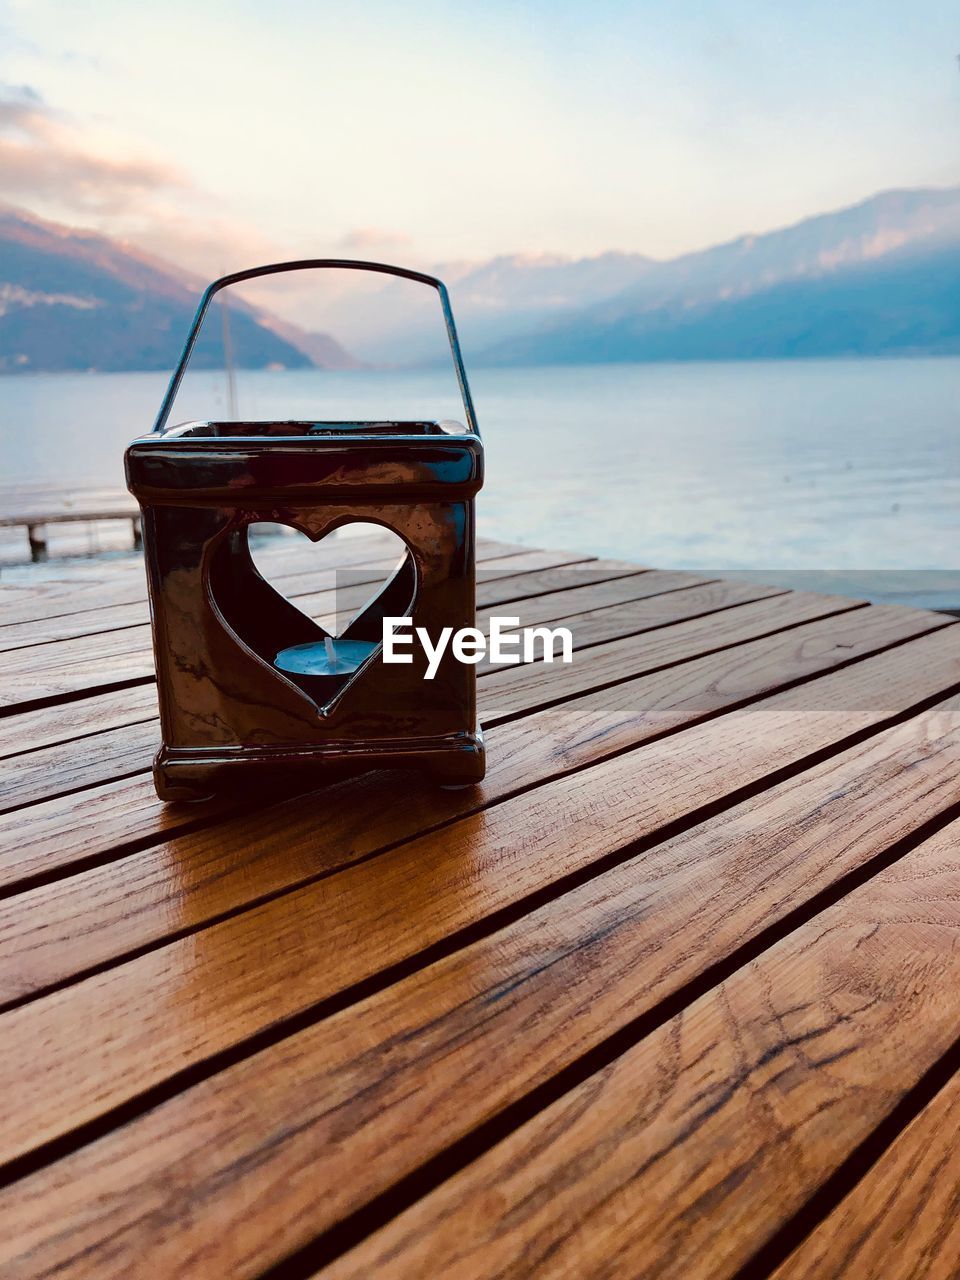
[{"x": 350, "y": 264}]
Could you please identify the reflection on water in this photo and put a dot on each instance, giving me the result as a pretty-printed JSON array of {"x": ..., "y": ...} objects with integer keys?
[{"x": 815, "y": 465}]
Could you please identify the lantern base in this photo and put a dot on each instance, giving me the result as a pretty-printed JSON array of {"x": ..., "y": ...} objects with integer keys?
[{"x": 188, "y": 774}]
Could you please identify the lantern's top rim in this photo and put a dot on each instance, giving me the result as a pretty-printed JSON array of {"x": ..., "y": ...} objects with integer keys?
[{"x": 201, "y": 434}]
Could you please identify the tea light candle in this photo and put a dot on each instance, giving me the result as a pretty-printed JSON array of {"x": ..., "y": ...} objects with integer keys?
[{"x": 331, "y": 657}]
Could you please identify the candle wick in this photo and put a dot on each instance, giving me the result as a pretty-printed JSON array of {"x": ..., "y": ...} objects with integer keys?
[{"x": 331, "y": 653}]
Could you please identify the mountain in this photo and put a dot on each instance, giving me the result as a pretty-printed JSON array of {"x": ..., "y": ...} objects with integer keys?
[
  {"x": 519, "y": 291},
  {"x": 879, "y": 277},
  {"x": 882, "y": 277},
  {"x": 400, "y": 322},
  {"x": 906, "y": 304},
  {"x": 75, "y": 300},
  {"x": 540, "y": 308}
]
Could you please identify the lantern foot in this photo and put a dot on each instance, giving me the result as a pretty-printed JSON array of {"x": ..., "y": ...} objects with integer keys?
[
  {"x": 180, "y": 792},
  {"x": 464, "y": 767}
]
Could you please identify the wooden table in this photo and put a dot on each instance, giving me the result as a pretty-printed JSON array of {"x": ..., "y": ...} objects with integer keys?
[{"x": 676, "y": 992}]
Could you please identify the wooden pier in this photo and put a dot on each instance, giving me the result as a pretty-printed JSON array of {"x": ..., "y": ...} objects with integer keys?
[
  {"x": 32, "y": 507},
  {"x": 676, "y": 992}
]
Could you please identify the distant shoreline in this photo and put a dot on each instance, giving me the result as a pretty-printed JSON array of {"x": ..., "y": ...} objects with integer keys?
[{"x": 845, "y": 357}]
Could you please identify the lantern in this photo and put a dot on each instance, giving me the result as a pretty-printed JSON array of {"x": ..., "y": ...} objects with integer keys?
[{"x": 249, "y": 686}]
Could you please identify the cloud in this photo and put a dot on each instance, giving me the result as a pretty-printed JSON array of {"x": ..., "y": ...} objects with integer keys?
[
  {"x": 199, "y": 240},
  {"x": 45, "y": 162},
  {"x": 53, "y": 168},
  {"x": 363, "y": 239},
  {"x": 14, "y": 97}
]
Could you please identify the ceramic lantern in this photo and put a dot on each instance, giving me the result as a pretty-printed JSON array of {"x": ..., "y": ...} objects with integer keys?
[{"x": 251, "y": 687}]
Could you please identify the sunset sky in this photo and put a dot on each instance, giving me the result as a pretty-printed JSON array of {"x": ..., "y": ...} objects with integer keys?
[{"x": 216, "y": 134}]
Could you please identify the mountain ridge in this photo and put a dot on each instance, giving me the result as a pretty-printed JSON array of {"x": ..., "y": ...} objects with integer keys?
[
  {"x": 878, "y": 238},
  {"x": 876, "y": 277},
  {"x": 72, "y": 299}
]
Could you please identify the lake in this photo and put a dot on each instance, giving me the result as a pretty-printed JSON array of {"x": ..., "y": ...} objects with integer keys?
[{"x": 841, "y": 474}]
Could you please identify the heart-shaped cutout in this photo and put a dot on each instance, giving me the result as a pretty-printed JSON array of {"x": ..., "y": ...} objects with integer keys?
[
  {"x": 293, "y": 600},
  {"x": 313, "y": 573}
]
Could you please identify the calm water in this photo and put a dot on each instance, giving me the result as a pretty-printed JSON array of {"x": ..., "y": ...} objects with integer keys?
[{"x": 844, "y": 466}]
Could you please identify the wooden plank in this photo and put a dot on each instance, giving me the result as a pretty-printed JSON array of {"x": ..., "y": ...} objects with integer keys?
[
  {"x": 104, "y": 509},
  {"x": 60, "y": 722},
  {"x": 102, "y": 1041},
  {"x": 685, "y": 1154},
  {"x": 71, "y": 667},
  {"x": 108, "y": 819},
  {"x": 591, "y": 610},
  {"x": 71, "y": 766},
  {"x": 59, "y": 836},
  {"x": 576, "y": 600},
  {"x": 96, "y": 620},
  {"x": 632, "y": 617},
  {"x": 110, "y": 583},
  {"x": 656, "y": 633},
  {"x": 68, "y": 766},
  {"x": 900, "y": 1220},
  {"x": 64, "y": 721},
  {"x": 62, "y": 670},
  {"x": 26, "y": 731},
  {"x": 106, "y": 583},
  {"x": 308, "y": 588},
  {"x": 309, "y": 1130},
  {"x": 54, "y": 932},
  {"x": 100, "y": 509},
  {"x": 613, "y": 718}
]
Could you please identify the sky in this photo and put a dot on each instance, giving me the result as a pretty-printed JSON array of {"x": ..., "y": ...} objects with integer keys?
[{"x": 217, "y": 135}]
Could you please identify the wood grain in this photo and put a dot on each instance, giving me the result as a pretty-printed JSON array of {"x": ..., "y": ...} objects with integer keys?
[
  {"x": 96, "y": 620},
  {"x": 106, "y": 658},
  {"x": 313, "y": 590},
  {"x": 84, "y": 717},
  {"x": 102, "y": 822},
  {"x": 68, "y": 766},
  {"x": 78, "y": 587},
  {"x": 680, "y": 950},
  {"x": 713, "y": 617},
  {"x": 72, "y": 828},
  {"x": 106, "y": 583},
  {"x": 649, "y": 613},
  {"x": 28, "y": 730},
  {"x": 902, "y": 1220},
  {"x": 71, "y": 766},
  {"x": 314, "y": 1127},
  {"x": 63, "y": 670},
  {"x": 686, "y": 1153},
  {"x": 575, "y": 600},
  {"x": 111, "y": 1036}
]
